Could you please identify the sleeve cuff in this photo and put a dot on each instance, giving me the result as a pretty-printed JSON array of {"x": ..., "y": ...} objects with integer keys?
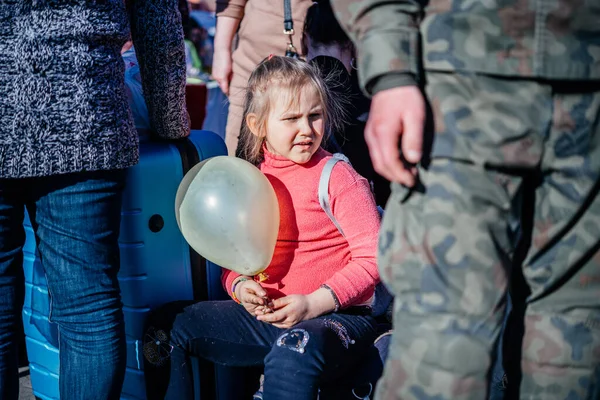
[
  {"x": 391, "y": 80},
  {"x": 335, "y": 298},
  {"x": 232, "y": 276},
  {"x": 385, "y": 53},
  {"x": 230, "y": 10}
]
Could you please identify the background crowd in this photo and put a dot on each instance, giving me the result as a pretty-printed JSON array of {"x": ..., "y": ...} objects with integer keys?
[{"x": 485, "y": 118}]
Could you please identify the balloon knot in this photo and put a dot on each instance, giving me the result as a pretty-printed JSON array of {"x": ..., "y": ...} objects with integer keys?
[{"x": 261, "y": 277}]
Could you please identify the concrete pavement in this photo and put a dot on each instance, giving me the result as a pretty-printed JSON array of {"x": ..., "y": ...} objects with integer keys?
[{"x": 25, "y": 392}]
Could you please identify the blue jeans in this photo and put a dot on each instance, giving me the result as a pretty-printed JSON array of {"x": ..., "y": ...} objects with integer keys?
[
  {"x": 296, "y": 361},
  {"x": 76, "y": 218}
]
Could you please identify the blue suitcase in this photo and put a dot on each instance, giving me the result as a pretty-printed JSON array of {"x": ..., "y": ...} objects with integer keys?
[{"x": 157, "y": 266}]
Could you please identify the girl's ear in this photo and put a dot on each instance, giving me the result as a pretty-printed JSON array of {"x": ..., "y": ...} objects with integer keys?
[{"x": 252, "y": 123}]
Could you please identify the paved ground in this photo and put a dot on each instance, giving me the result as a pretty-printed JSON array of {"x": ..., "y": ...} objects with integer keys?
[{"x": 25, "y": 392}]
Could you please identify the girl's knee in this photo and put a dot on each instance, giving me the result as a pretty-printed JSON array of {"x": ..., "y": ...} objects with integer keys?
[{"x": 295, "y": 348}]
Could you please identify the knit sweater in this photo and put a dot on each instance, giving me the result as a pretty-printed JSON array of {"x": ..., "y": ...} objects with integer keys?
[
  {"x": 63, "y": 106},
  {"x": 310, "y": 251}
]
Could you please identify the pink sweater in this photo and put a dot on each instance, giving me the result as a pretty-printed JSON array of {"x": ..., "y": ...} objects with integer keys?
[{"x": 310, "y": 251}]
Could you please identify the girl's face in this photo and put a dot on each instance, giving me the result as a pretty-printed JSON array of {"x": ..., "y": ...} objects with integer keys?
[{"x": 296, "y": 132}]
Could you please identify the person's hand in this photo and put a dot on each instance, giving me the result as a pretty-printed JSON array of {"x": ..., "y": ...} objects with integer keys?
[
  {"x": 288, "y": 311},
  {"x": 295, "y": 308},
  {"x": 252, "y": 296},
  {"x": 397, "y": 116},
  {"x": 221, "y": 69}
]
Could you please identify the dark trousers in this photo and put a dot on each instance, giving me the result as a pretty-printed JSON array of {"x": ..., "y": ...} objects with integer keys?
[{"x": 296, "y": 361}]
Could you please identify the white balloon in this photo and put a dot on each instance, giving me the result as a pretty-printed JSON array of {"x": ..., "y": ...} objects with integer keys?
[{"x": 228, "y": 212}]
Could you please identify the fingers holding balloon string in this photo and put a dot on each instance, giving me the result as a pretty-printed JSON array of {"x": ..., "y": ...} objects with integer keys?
[
  {"x": 262, "y": 310},
  {"x": 254, "y": 288},
  {"x": 248, "y": 296}
]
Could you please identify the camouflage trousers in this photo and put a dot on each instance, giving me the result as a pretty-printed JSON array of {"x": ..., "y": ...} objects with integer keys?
[{"x": 447, "y": 247}]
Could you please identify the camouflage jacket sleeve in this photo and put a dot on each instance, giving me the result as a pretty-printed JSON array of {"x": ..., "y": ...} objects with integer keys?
[
  {"x": 157, "y": 35},
  {"x": 386, "y": 34}
]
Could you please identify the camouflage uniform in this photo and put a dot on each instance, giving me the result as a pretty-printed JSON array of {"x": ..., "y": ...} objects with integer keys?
[{"x": 514, "y": 90}]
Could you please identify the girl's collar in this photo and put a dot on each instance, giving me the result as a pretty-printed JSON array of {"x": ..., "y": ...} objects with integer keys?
[{"x": 277, "y": 161}]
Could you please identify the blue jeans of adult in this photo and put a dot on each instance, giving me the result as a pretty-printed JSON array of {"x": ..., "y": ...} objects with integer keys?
[
  {"x": 296, "y": 361},
  {"x": 76, "y": 219}
]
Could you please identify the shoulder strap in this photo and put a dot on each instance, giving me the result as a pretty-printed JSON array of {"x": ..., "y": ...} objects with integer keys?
[
  {"x": 288, "y": 21},
  {"x": 381, "y": 297},
  {"x": 324, "y": 187}
]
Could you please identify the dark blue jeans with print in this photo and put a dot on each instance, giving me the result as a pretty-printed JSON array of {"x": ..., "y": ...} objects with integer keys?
[
  {"x": 296, "y": 361},
  {"x": 76, "y": 219}
]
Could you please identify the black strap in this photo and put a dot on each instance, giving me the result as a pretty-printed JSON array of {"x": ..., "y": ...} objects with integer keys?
[{"x": 288, "y": 22}]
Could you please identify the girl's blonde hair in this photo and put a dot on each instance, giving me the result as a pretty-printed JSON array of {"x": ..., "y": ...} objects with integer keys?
[{"x": 273, "y": 77}]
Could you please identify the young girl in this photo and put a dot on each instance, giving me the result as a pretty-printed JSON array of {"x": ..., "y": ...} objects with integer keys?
[{"x": 309, "y": 322}]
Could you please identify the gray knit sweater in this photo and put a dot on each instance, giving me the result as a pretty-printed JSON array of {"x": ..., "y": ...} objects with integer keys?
[{"x": 63, "y": 106}]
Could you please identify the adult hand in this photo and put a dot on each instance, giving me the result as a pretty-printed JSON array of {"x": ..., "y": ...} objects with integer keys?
[
  {"x": 221, "y": 68},
  {"x": 252, "y": 296},
  {"x": 397, "y": 117},
  {"x": 289, "y": 310}
]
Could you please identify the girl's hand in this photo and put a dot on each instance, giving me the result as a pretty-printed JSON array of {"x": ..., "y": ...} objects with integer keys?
[
  {"x": 290, "y": 310},
  {"x": 252, "y": 296}
]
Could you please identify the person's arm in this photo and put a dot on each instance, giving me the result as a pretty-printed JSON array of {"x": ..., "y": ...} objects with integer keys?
[
  {"x": 386, "y": 34},
  {"x": 222, "y": 64},
  {"x": 353, "y": 206},
  {"x": 158, "y": 40},
  {"x": 229, "y": 15}
]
